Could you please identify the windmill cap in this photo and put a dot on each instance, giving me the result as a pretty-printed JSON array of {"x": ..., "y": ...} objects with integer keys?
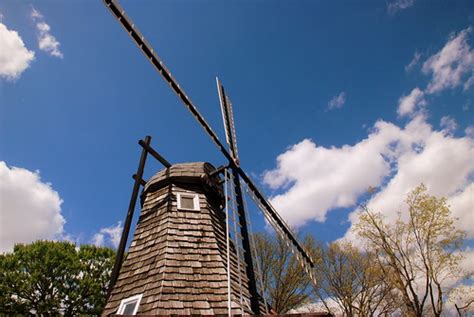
[{"x": 186, "y": 173}]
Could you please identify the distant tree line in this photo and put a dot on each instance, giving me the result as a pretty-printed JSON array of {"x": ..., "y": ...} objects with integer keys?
[{"x": 401, "y": 268}]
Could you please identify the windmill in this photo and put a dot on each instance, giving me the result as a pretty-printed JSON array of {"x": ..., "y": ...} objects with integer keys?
[{"x": 233, "y": 173}]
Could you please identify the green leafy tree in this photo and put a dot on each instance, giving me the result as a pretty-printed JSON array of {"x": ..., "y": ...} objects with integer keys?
[
  {"x": 418, "y": 254},
  {"x": 51, "y": 278},
  {"x": 96, "y": 265}
]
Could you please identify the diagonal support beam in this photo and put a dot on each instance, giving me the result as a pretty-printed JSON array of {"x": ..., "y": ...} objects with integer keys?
[{"x": 129, "y": 217}]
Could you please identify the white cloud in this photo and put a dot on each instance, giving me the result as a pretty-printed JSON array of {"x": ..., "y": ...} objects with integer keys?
[
  {"x": 316, "y": 179},
  {"x": 469, "y": 131},
  {"x": 46, "y": 41},
  {"x": 448, "y": 124},
  {"x": 461, "y": 296},
  {"x": 407, "y": 104},
  {"x": 15, "y": 58},
  {"x": 98, "y": 239},
  {"x": 462, "y": 208},
  {"x": 465, "y": 107},
  {"x": 24, "y": 196},
  {"x": 399, "y": 5},
  {"x": 444, "y": 164},
  {"x": 109, "y": 235},
  {"x": 467, "y": 263},
  {"x": 321, "y": 179},
  {"x": 35, "y": 14},
  {"x": 468, "y": 83},
  {"x": 337, "y": 101},
  {"x": 451, "y": 65},
  {"x": 29, "y": 208},
  {"x": 462, "y": 290},
  {"x": 318, "y": 307},
  {"x": 413, "y": 62}
]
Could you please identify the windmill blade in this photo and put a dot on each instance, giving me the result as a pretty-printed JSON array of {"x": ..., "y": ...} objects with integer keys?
[
  {"x": 300, "y": 254},
  {"x": 277, "y": 222},
  {"x": 119, "y": 13},
  {"x": 228, "y": 119}
]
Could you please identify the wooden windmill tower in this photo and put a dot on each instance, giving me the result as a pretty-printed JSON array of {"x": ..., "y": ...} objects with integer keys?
[{"x": 183, "y": 258}]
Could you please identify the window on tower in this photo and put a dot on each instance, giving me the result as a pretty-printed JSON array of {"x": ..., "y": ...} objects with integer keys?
[
  {"x": 188, "y": 201},
  {"x": 129, "y": 306}
]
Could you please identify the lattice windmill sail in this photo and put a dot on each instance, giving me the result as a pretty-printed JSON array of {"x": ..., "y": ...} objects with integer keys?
[
  {"x": 123, "y": 280},
  {"x": 229, "y": 127},
  {"x": 228, "y": 120},
  {"x": 268, "y": 211}
]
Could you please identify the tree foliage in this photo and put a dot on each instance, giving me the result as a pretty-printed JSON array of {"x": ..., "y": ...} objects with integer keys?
[
  {"x": 408, "y": 267},
  {"x": 418, "y": 254},
  {"x": 462, "y": 297},
  {"x": 286, "y": 284},
  {"x": 51, "y": 278},
  {"x": 349, "y": 278}
]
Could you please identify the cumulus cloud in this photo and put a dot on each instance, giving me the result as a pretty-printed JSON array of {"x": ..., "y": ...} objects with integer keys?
[
  {"x": 462, "y": 208},
  {"x": 108, "y": 236},
  {"x": 467, "y": 263},
  {"x": 462, "y": 296},
  {"x": 15, "y": 58},
  {"x": 448, "y": 124},
  {"x": 399, "y": 5},
  {"x": 407, "y": 104},
  {"x": 46, "y": 41},
  {"x": 337, "y": 101},
  {"x": 413, "y": 62},
  {"x": 469, "y": 131},
  {"x": 29, "y": 208},
  {"x": 444, "y": 164},
  {"x": 318, "y": 307},
  {"x": 468, "y": 83},
  {"x": 315, "y": 179},
  {"x": 320, "y": 179},
  {"x": 451, "y": 65},
  {"x": 462, "y": 289},
  {"x": 35, "y": 14}
]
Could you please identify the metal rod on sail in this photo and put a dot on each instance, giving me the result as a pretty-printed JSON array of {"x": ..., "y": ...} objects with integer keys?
[
  {"x": 228, "y": 120},
  {"x": 229, "y": 126},
  {"x": 229, "y": 301}
]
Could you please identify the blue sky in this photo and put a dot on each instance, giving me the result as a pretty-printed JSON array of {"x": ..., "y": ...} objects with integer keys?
[{"x": 76, "y": 100}]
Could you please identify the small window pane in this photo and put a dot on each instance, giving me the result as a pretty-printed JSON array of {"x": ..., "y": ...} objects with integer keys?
[
  {"x": 129, "y": 308},
  {"x": 187, "y": 202}
]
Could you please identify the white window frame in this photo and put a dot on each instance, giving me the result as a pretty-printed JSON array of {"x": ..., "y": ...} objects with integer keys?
[
  {"x": 195, "y": 201},
  {"x": 126, "y": 301}
]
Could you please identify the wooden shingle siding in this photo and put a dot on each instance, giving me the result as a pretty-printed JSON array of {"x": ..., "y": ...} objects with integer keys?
[{"x": 177, "y": 258}]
